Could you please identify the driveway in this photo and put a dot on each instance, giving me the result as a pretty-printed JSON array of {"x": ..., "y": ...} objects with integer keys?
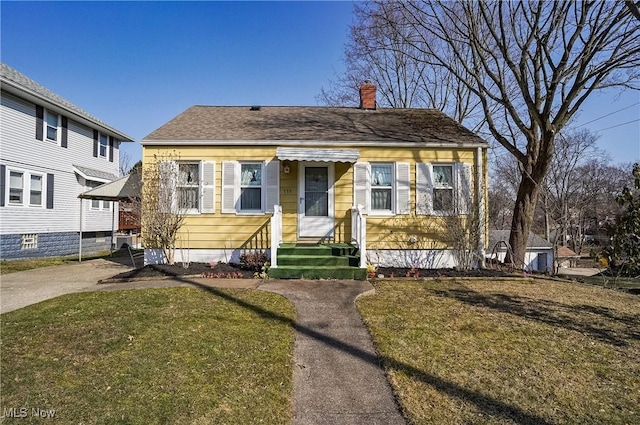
[{"x": 21, "y": 289}]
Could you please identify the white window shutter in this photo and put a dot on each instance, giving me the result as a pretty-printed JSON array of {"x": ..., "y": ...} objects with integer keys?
[
  {"x": 463, "y": 188},
  {"x": 403, "y": 205},
  {"x": 424, "y": 188},
  {"x": 207, "y": 186},
  {"x": 229, "y": 186},
  {"x": 362, "y": 184},
  {"x": 272, "y": 197},
  {"x": 167, "y": 185}
]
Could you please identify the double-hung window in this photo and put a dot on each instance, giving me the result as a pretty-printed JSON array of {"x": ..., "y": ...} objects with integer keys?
[
  {"x": 16, "y": 187},
  {"x": 103, "y": 145},
  {"x": 96, "y": 203},
  {"x": 188, "y": 186},
  {"x": 382, "y": 188},
  {"x": 443, "y": 189},
  {"x": 250, "y": 187},
  {"x": 51, "y": 123},
  {"x": 27, "y": 188},
  {"x": 382, "y": 183},
  {"x": 35, "y": 190}
]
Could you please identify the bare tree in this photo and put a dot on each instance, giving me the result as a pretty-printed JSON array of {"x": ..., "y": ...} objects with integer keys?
[
  {"x": 404, "y": 76},
  {"x": 162, "y": 211},
  {"x": 531, "y": 65}
]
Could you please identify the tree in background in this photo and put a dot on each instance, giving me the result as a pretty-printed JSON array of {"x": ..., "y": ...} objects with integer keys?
[
  {"x": 578, "y": 194},
  {"x": 529, "y": 65},
  {"x": 404, "y": 76},
  {"x": 623, "y": 252}
]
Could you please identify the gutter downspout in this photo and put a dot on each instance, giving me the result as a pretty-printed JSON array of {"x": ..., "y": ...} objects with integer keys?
[{"x": 481, "y": 206}]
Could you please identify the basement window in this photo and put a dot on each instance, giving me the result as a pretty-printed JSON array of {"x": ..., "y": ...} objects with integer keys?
[{"x": 29, "y": 241}]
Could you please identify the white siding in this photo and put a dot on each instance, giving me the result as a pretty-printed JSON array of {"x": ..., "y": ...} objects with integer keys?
[{"x": 20, "y": 149}]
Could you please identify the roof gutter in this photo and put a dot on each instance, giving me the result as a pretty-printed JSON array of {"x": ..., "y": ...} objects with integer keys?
[{"x": 301, "y": 143}]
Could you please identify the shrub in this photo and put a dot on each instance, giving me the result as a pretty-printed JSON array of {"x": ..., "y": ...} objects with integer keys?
[{"x": 253, "y": 261}]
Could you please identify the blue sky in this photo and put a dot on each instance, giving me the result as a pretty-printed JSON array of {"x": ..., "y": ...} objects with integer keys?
[{"x": 136, "y": 65}]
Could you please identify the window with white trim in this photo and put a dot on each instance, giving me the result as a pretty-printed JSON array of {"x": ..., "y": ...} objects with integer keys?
[
  {"x": 27, "y": 188},
  {"x": 16, "y": 187},
  {"x": 103, "y": 145},
  {"x": 250, "y": 187},
  {"x": 35, "y": 190},
  {"x": 443, "y": 189},
  {"x": 97, "y": 204},
  {"x": 382, "y": 188},
  {"x": 51, "y": 126},
  {"x": 188, "y": 186}
]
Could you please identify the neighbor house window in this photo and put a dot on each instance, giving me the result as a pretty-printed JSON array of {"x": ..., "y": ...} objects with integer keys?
[
  {"x": 29, "y": 241},
  {"x": 382, "y": 187},
  {"x": 443, "y": 188},
  {"x": 188, "y": 187},
  {"x": 52, "y": 122},
  {"x": 16, "y": 187},
  {"x": 103, "y": 145},
  {"x": 96, "y": 204},
  {"x": 251, "y": 187},
  {"x": 35, "y": 190}
]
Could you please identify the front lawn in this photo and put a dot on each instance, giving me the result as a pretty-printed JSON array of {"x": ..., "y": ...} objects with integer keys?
[
  {"x": 508, "y": 352},
  {"x": 175, "y": 355}
]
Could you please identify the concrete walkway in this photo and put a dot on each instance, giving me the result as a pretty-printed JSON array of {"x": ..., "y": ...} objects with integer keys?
[{"x": 337, "y": 376}]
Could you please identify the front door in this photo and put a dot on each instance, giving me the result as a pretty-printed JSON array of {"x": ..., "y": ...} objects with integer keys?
[{"x": 315, "y": 206}]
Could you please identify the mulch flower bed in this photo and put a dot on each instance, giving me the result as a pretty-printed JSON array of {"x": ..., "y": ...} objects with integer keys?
[
  {"x": 218, "y": 270},
  {"x": 235, "y": 271}
]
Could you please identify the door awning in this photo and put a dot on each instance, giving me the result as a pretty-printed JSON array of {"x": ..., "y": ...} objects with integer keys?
[{"x": 320, "y": 155}]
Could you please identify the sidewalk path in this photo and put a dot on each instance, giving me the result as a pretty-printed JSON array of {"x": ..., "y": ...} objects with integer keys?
[{"x": 337, "y": 376}]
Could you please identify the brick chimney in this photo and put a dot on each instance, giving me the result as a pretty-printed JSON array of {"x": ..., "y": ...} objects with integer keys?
[{"x": 367, "y": 95}]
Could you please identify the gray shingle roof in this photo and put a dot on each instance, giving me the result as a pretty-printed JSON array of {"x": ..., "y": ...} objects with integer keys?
[
  {"x": 90, "y": 172},
  {"x": 15, "y": 79},
  {"x": 306, "y": 123}
]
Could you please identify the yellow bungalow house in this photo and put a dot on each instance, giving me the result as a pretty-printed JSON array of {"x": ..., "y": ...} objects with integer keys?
[{"x": 360, "y": 185}]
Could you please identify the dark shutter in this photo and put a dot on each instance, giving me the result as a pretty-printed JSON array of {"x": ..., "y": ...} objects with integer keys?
[
  {"x": 95, "y": 143},
  {"x": 49, "y": 191},
  {"x": 39, "y": 122},
  {"x": 2, "y": 185},
  {"x": 65, "y": 131},
  {"x": 111, "y": 149}
]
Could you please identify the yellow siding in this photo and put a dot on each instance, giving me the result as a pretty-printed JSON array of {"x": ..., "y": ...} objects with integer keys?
[{"x": 217, "y": 231}]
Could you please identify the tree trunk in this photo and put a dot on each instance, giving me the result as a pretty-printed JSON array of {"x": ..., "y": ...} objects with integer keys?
[{"x": 524, "y": 210}]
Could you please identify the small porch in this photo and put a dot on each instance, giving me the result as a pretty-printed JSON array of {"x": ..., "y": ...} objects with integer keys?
[{"x": 319, "y": 260}]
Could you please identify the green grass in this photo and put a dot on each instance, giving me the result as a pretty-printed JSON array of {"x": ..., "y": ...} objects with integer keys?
[
  {"x": 521, "y": 351},
  {"x": 176, "y": 355},
  {"x": 612, "y": 282},
  {"x": 12, "y": 266}
]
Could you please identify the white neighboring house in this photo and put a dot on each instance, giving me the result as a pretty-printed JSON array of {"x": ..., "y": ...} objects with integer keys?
[
  {"x": 51, "y": 151},
  {"x": 539, "y": 255}
]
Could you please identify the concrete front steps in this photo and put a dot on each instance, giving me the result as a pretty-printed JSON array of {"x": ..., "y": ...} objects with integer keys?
[{"x": 318, "y": 261}]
